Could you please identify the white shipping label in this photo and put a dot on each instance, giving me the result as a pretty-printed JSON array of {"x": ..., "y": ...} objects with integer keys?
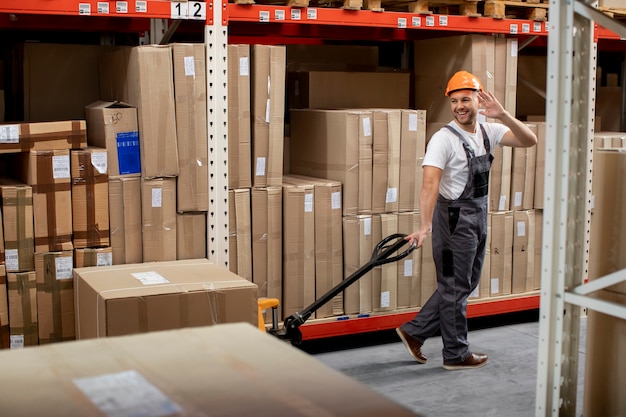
[
  {"x": 518, "y": 199},
  {"x": 367, "y": 126},
  {"x": 392, "y": 195},
  {"x": 502, "y": 202},
  {"x": 63, "y": 267},
  {"x": 308, "y": 203},
  {"x": 244, "y": 66},
  {"x": 367, "y": 226},
  {"x": 12, "y": 260},
  {"x": 260, "y": 167},
  {"x": 150, "y": 278},
  {"x": 514, "y": 48},
  {"x": 335, "y": 200},
  {"x": 9, "y": 134},
  {"x": 475, "y": 293},
  {"x": 190, "y": 66},
  {"x": 60, "y": 166},
  {"x": 408, "y": 268},
  {"x": 157, "y": 197},
  {"x": 99, "y": 161},
  {"x": 126, "y": 394},
  {"x": 16, "y": 341},
  {"x": 413, "y": 122},
  {"x": 104, "y": 259},
  {"x": 385, "y": 298},
  {"x": 495, "y": 285},
  {"x": 521, "y": 229}
]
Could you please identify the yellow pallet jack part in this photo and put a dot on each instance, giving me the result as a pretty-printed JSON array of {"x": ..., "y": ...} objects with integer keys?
[{"x": 265, "y": 303}]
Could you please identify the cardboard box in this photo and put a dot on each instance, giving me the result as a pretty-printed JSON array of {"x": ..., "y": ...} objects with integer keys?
[
  {"x": 336, "y": 144},
  {"x": 412, "y": 150},
  {"x": 500, "y": 179},
  {"x": 59, "y": 80},
  {"x": 138, "y": 298},
  {"x": 348, "y": 90},
  {"x": 48, "y": 172},
  {"x": 43, "y": 136},
  {"x": 409, "y": 268},
  {"x": 267, "y": 242},
  {"x": 55, "y": 296},
  {"x": 125, "y": 220},
  {"x": 328, "y": 239},
  {"x": 523, "y": 176},
  {"x": 357, "y": 250},
  {"x": 22, "y": 295},
  {"x": 158, "y": 219},
  {"x": 386, "y": 161},
  {"x": 113, "y": 126},
  {"x": 149, "y": 86},
  {"x": 90, "y": 197},
  {"x": 239, "y": 136},
  {"x": 84, "y": 257},
  {"x": 191, "y": 235},
  {"x": 501, "y": 253},
  {"x": 540, "y": 165},
  {"x": 240, "y": 233},
  {"x": 523, "y": 251},
  {"x": 268, "y": 114},
  {"x": 298, "y": 247},
  {"x": 190, "y": 95},
  {"x": 484, "y": 285},
  {"x": 238, "y": 369},
  {"x": 4, "y": 310},
  {"x": 17, "y": 225},
  {"x": 384, "y": 277}
]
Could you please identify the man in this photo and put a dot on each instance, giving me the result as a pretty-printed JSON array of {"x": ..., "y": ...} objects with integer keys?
[{"x": 453, "y": 204}]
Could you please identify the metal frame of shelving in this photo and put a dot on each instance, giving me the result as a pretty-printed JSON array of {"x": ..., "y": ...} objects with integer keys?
[{"x": 570, "y": 110}]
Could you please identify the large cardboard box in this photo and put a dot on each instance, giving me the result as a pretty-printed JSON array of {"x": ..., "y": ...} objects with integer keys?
[
  {"x": 523, "y": 251},
  {"x": 328, "y": 239},
  {"x": 113, "y": 126},
  {"x": 540, "y": 165},
  {"x": 240, "y": 233},
  {"x": 501, "y": 253},
  {"x": 84, "y": 257},
  {"x": 523, "y": 176},
  {"x": 4, "y": 310},
  {"x": 17, "y": 225},
  {"x": 298, "y": 247},
  {"x": 239, "y": 136},
  {"x": 191, "y": 235},
  {"x": 357, "y": 250},
  {"x": 336, "y": 144},
  {"x": 409, "y": 268},
  {"x": 55, "y": 296},
  {"x": 49, "y": 174},
  {"x": 228, "y": 370},
  {"x": 386, "y": 160},
  {"x": 192, "y": 188},
  {"x": 268, "y": 114},
  {"x": 144, "y": 77},
  {"x": 22, "y": 295},
  {"x": 384, "y": 277},
  {"x": 349, "y": 90},
  {"x": 412, "y": 149},
  {"x": 43, "y": 136},
  {"x": 90, "y": 197},
  {"x": 125, "y": 220},
  {"x": 158, "y": 219},
  {"x": 138, "y": 298},
  {"x": 267, "y": 242}
]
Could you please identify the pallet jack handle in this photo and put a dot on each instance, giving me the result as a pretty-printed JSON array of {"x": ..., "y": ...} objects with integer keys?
[{"x": 382, "y": 254}]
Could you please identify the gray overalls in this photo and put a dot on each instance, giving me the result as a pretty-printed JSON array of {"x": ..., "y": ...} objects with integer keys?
[{"x": 459, "y": 244}]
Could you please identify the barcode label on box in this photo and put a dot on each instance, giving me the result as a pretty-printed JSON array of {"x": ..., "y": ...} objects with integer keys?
[
  {"x": 408, "y": 268},
  {"x": 150, "y": 278},
  {"x": 12, "y": 260},
  {"x": 157, "y": 197},
  {"x": 335, "y": 200},
  {"x": 60, "y": 167},
  {"x": 63, "y": 267},
  {"x": 9, "y": 134},
  {"x": 100, "y": 162},
  {"x": 308, "y": 203},
  {"x": 385, "y": 299},
  {"x": 16, "y": 341},
  {"x": 104, "y": 259}
]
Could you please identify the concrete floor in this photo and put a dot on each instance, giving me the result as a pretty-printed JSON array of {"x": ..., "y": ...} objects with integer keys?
[{"x": 506, "y": 386}]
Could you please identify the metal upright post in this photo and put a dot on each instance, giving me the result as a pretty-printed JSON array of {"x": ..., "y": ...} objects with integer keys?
[{"x": 216, "y": 41}]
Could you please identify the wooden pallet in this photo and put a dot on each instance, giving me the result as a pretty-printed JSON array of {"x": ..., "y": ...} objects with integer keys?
[
  {"x": 501, "y": 9},
  {"x": 619, "y": 14}
]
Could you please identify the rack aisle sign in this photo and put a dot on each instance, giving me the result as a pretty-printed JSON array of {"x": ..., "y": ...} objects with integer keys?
[{"x": 192, "y": 10}]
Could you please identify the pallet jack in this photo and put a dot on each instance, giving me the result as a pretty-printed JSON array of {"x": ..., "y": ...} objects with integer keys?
[{"x": 290, "y": 331}]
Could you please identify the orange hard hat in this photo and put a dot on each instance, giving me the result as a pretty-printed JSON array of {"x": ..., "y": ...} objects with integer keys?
[{"x": 463, "y": 80}]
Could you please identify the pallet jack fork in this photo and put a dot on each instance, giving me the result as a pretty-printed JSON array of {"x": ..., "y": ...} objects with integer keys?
[{"x": 383, "y": 253}]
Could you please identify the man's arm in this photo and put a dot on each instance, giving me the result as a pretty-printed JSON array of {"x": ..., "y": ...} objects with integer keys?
[
  {"x": 428, "y": 200},
  {"x": 519, "y": 134}
]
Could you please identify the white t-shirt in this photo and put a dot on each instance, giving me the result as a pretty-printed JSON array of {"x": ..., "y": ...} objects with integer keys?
[{"x": 445, "y": 151}]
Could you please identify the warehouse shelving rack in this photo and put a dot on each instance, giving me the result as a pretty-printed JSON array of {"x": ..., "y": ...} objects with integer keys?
[{"x": 570, "y": 80}]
